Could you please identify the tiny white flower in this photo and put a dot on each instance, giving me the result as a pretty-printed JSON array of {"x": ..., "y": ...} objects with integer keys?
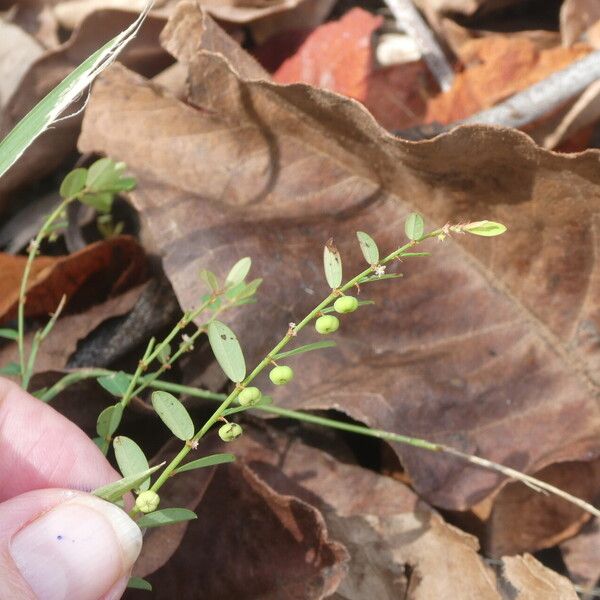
[
  {"x": 379, "y": 270},
  {"x": 187, "y": 340},
  {"x": 292, "y": 329}
]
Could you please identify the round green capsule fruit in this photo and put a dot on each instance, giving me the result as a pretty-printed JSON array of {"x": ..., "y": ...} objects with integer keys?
[
  {"x": 345, "y": 304},
  {"x": 327, "y": 324},
  {"x": 249, "y": 396},
  {"x": 281, "y": 375},
  {"x": 230, "y": 432},
  {"x": 147, "y": 501}
]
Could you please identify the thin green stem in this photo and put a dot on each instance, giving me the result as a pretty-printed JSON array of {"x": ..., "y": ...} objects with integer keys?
[{"x": 34, "y": 247}]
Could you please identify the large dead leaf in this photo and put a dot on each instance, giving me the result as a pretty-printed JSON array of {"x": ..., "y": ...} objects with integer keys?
[
  {"x": 338, "y": 56},
  {"x": 107, "y": 267},
  {"x": 467, "y": 349}
]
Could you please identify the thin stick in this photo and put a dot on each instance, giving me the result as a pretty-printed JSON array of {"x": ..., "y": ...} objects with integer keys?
[{"x": 409, "y": 19}]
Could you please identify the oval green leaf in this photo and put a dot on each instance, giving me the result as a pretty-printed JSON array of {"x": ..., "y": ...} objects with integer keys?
[
  {"x": 210, "y": 279},
  {"x": 130, "y": 458},
  {"x": 137, "y": 583},
  {"x": 11, "y": 368},
  {"x": 368, "y": 247},
  {"x": 108, "y": 420},
  {"x": 238, "y": 271},
  {"x": 207, "y": 461},
  {"x": 414, "y": 226},
  {"x": 485, "y": 228},
  {"x": 227, "y": 351},
  {"x": 102, "y": 175},
  {"x": 73, "y": 183},
  {"x": 173, "y": 414},
  {"x": 9, "y": 334},
  {"x": 332, "y": 263},
  {"x": 115, "y": 384},
  {"x": 166, "y": 516}
]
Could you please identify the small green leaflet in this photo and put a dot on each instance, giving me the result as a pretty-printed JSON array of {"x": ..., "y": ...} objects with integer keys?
[
  {"x": 109, "y": 420},
  {"x": 115, "y": 384},
  {"x": 238, "y": 272},
  {"x": 116, "y": 490},
  {"x": 485, "y": 228},
  {"x": 166, "y": 516},
  {"x": 332, "y": 262},
  {"x": 227, "y": 350},
  {"x": 130, "y": 458},
  {"x": 369, "y": 247},
  {"x": 173, "y": 414},
  {"x": 99, "y": 201},
  {"x": 371, "y": 278},
  {"x": 165, "y": 354},
  {"x": 102, "y": 175},
  {"x": 210, "y": 279},
  {"x": 137, "y": 583},
  {"x": 414, "y": 226},
  {"x": 9, "y": 334},
  {"x": 207, "y": 461},
  {"x": 73, "y": 183},
  {"x": 302, "y": 349},
  {"x": 330, "y": 309},
  {"x": 11, "y": 369}
]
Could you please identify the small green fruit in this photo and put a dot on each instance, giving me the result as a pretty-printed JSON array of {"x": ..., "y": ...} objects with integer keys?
[
  {"x": 345, "y": 304},
  {"x": 327, "y": 324},
  {"x": 147, "y": 501},
  {"x": 249, "y": 396},
  {"x": 281, "y": 375},
  {"x": 230, "y": 432}
]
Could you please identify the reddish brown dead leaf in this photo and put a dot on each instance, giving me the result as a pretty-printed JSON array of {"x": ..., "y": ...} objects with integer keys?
[
  {"x": 266, "y": 545},
  {"x": 466, "y": 349},
  {"x": 581, "y": 555},
  {"x": 338, "y": 56},
  {"x": 61, "y": 343},
  {"x": 107, "y": 267},
  {"x": 495, "y": 68}
]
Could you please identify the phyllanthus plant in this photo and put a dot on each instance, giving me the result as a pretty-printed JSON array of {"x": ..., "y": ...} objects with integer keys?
[{"x": 96, "y": 187}]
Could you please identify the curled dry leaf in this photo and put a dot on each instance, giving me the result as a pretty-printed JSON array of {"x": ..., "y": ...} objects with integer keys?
[
  {"x": 107, "y": 267},
  {"x": 465, "y": 349}
]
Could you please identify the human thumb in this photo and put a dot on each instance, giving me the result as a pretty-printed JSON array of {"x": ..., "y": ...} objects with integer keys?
[{"x": 57, "y": 544}]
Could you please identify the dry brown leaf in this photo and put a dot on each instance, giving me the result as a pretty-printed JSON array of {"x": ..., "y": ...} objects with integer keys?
[
  {"x": 496, "y": 67},
  {"x": 467, "y": 349},
  {"x": 107, "y": 267},
  {"x": 54, "y": 146},
  {"x": 532, "y": 581},
  {"x": 61, "y": 343},
  {"x": 266, "y": 545},
  {"x": 581, "y": 555}
]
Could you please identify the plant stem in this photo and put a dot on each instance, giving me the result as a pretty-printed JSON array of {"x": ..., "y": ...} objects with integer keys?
[{"x": 34, "y": 247}]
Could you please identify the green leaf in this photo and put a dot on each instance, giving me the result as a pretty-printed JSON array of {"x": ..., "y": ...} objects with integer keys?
[
  {"x": 369, "y": 247},
  {"x": 115, "y": 384},
  {"x": 206, "y": 461},
  {"x": 227, "y": 350},
  {"x": 9, "y": 334},
  {"x": 249, "y": 289},
  {"x": 73, "y": 183},
  {"x": 238, "y": 271},
  {"x": 414, "y": 226},
  {"x": 165, "y": 354},
  {"x": 210, "y": 279},
  {"x": 125, "y": 184},
  {"x": 371, "y": 278},
  {"x": 137, "y": 583},
  {"x": 116, "y": 490},
  {"x": 173, "y": 414},
  {"x": 11, "y": 368},
  {"x": 100, "y": 201},
  {"x": 102, "y": 175},
  {"x": 166, "y": 516},
  {"x": 330, "y": 309},
  {"x": 108, "y": 420},
  {"x": 485, "y": 228},
  {"x": 332, "y": 261},
  {"x": 130, "y": 458},
  {"x": 302, "y": 349}
]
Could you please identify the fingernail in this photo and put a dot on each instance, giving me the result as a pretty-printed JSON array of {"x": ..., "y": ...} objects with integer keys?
[{"x": 79, "y": 549}]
